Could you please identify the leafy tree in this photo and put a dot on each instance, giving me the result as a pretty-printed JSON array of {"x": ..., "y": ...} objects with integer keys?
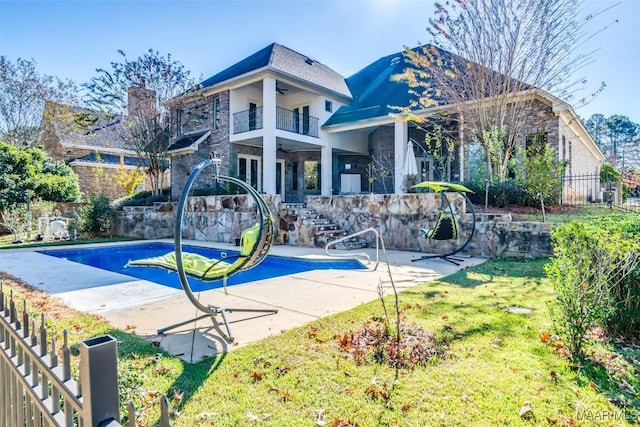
[
  {"x": 616, "y": 136},
  {"x": 621, "y": 132},
  {"x": 542, "y": 173},
  {"x": 23, "y": 92},
  {"x": 486, "y": 61},
  {"x": 27, "y": 171},
  {"x": 128, "y": 179},
  {"x": 96, "y": 219},
  {"x": 150, "y": 80},
  {"x": 608, "y": 173},
  {"x": 597, "y": 127}
]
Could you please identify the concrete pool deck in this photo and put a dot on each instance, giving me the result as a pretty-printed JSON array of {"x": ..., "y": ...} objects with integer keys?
[{"x": 143, "y": 307}]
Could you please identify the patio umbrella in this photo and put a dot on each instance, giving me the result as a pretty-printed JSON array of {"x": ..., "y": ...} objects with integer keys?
[{"x": 410, "y": 166}]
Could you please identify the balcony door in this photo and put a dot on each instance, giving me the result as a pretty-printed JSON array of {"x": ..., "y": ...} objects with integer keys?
[
  {"x": 301, "y": 121},
  {"x": 253, "y": 109},
  {"x": 249, "y": 168}
]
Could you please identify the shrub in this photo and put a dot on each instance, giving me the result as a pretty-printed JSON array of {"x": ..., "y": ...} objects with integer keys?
[
  {"x": 593, "y": 273},
  {"x": 97, "y": 217},
  {"x": 500, "y": 194},
  {"x": 142, "y": 198}
]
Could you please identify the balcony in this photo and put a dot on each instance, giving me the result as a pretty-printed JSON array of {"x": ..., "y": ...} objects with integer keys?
[
  {"x": 296, "y": 122},
  {"x": 247, "y": 120},
  {"x": 287, "y": 120}
]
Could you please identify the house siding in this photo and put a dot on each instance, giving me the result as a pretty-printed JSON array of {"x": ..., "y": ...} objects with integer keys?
[
  {"x": 541, "y": 120},
  {"x": 197, "y": 116},
  {"x": 93, "y": 178}
]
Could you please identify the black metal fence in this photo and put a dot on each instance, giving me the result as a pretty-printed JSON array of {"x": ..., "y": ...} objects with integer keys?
[
  {"x": 590, "y": 190},
  {"x": 36, "y": 389}
]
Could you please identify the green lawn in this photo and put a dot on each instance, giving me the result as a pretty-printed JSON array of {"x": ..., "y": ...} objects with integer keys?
[
  {"x": 6, "y": 242},
  {"x": 498, "y": 367},
  {"x": 567, "y": 215}
]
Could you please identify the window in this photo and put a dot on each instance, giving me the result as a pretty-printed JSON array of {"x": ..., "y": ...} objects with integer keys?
[
  {"x": 216, "y": 113},
  {"x": 311, "y": 175},
  {"x": 564, "y": 148},
  {"x": 294, "y": 172},
  {"x": 328, "y": 106},
  {"x": 569, "y": 159},
  {"x": 253, "y": 109},
  {"x": 179, "y": 122}
]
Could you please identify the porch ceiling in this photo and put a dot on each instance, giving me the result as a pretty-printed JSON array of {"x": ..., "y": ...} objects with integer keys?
[{"x": 288, "y": 145}]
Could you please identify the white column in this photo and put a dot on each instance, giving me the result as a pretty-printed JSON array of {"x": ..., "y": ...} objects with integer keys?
[
  {"x": 326, "y": 172},
  {"x": 461, "y": 147},
  {"x": 401, "y": 136},
  {"x": 269, "y": 135}
]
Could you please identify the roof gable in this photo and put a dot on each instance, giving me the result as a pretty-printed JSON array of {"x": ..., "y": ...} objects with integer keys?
[
  {"x": 251, "y": 63},
  {"x": 77, "y": 126},
  {"x": 286, "y": 61}
]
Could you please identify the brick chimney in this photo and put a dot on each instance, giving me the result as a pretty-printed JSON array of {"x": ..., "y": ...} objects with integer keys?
[{"x": 140, "y": 100}]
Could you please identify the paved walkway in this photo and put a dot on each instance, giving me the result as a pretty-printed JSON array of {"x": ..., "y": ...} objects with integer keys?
[{"x": 143, "y": 307}]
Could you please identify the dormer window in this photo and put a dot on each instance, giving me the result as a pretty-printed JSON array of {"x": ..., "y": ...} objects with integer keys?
[{"x": 328, "y": 106}]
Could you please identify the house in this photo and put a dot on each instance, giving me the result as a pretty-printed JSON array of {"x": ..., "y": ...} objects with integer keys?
[
  {"x": 292, "y": 126},
  {"x": 95, "y": 144}
]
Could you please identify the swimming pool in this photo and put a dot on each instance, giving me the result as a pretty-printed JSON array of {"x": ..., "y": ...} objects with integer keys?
[{"x": 115, "y": 258}]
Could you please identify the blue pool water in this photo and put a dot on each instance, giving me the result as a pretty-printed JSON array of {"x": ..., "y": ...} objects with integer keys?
[{"x": 115, "y": 258}]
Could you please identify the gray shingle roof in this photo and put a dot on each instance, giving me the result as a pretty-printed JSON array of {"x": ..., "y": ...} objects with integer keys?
[
  {"x": 187, "y": 140},
  {"x": 287, "y": 61},
  {"x": 112, "y": 159},
  {"x": 82, "y": 126},
  {"x": 374, "y": 93}
]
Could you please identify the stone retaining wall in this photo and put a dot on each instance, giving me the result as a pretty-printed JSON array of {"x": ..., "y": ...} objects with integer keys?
[
  {"x": 211, "y": 218},
  {"x": 398, "y": 218}
]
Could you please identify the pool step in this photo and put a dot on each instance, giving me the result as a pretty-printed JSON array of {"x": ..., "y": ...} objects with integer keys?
[{"x": 352, "y": 244}]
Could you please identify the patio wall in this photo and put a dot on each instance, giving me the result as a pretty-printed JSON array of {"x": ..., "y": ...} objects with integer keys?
[
  {"x": 398, "y": 218},
  {"x": 211, "y": 218}
]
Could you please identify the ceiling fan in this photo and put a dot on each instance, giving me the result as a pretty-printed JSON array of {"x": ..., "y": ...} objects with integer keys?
[
  {"x": 280, "y": 90},
  {"x": 282, "y": 150}
]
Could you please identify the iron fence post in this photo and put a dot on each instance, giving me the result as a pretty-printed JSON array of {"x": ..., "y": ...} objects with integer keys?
[{"x": 99, "y": 381}]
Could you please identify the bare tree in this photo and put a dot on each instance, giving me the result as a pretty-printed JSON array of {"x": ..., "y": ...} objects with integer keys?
[
  {"x": 140, "y": 88},
  {"x": 23, "y": 93},
  {"x": 492, "y": 56}
]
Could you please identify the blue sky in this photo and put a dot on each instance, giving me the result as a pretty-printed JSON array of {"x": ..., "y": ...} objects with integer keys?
[{"x": 70, "y": 39}]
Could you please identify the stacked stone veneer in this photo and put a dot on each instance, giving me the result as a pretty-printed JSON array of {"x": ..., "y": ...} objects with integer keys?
[
  {"x": 398, "y": 218},
  {"x": 210, "y": 218}
]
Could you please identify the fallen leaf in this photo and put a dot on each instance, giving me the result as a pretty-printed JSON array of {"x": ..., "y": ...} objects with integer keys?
[
  {"x": 526, "y": 412},
  {"x": 205, "y": 416},
  {"x": 545, "y": 336},
  {"x": 177, "y": 396},
  {"x": 568, "y": 422}
]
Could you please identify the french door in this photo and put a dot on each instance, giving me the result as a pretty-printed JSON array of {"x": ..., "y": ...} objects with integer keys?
[{"x": 249, "y": 168}]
